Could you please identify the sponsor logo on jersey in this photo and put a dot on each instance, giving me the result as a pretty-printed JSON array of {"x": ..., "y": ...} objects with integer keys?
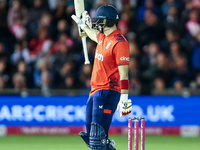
[
  {"x": 98, "y": 56},
  {"x": 124, "y": 58}
]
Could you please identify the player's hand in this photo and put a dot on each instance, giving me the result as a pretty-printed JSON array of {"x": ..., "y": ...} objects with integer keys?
[
  {"x": 124, "y": 106},
  {"x": 85, "y": 21}
]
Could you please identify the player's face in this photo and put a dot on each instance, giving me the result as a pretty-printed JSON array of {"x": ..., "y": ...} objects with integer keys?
[{"x": 99, "y": 24}]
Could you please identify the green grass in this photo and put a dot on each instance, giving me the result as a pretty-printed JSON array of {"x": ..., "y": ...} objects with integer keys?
[{"x": 76, "y": 143}]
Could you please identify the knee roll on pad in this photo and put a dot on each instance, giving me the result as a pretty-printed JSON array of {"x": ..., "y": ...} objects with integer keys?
[{"x": 97, "y": 139}]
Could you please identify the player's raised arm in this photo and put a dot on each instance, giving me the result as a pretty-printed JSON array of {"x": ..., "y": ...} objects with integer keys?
[{"x": 92, "y": 34}]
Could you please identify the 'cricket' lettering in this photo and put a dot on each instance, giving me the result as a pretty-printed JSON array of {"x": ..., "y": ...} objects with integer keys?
[
  {"x": 98, "y": 56},
  {"x": 42, "y": 113}
]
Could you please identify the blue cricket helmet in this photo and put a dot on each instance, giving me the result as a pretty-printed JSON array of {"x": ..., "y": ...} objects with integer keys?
[{"x": 109, "y": 13}]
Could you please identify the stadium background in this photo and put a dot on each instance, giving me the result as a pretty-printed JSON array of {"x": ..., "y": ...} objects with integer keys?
[{"x": 44, "y": 84}]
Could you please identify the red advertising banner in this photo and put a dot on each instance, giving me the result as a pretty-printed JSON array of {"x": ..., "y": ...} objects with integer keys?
[{"x": 71, "y": 130}]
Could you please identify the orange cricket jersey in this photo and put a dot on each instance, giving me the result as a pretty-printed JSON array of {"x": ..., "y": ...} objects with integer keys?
[{"x": 111, "y": 51}]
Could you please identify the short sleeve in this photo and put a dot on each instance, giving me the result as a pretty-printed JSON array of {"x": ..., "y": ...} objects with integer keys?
[{"x": 121, "y": 53}]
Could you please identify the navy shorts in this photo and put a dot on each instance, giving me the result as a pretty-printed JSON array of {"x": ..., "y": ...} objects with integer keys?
[{"x": 101, "y": 107}]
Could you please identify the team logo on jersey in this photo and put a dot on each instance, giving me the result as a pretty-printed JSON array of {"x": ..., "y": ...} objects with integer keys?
[
  {"x": 98, "y": 56},
  {"x": 119, "y": 37},
  {"x": 124, "y": 58}
]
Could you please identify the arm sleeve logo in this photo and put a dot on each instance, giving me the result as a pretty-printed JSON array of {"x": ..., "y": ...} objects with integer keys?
[{"x": 124, "y": 58}]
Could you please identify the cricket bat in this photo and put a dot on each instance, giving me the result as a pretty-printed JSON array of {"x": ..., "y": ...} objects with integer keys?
[{"x": 79, "y": 8}]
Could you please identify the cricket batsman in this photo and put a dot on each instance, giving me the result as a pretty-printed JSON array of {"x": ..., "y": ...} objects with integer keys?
[{"x": 109, "y": 81}]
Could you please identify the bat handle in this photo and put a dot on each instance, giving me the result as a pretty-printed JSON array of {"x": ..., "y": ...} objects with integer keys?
[{"x": 85, "y": 50}]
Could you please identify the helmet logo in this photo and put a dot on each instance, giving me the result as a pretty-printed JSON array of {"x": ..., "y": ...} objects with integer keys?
[{"x": 117, "y": 16}]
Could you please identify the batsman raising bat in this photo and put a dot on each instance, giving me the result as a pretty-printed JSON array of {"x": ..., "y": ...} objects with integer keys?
[{"x": 109, "y": 81}]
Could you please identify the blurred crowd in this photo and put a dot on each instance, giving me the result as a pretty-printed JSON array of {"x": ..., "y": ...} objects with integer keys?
[{"x": 40, "y": 47}]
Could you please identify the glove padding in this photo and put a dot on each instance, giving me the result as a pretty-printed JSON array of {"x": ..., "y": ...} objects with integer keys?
[
  {"x": 124, "y": 107},
  {"x": 83, "y": 22}
]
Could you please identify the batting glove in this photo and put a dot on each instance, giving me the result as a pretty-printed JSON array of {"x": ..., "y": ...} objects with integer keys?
[
  {"x": 85, "y": 21},
  {"x": 125, "y": 105}
]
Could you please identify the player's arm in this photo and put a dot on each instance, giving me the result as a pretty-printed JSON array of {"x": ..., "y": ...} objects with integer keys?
[
  {"x": 92, "y": 34},
  {"x": 125, "y": 105},
  {"x": 123, "y": 72},
  {"x": 122, "y": 53}
]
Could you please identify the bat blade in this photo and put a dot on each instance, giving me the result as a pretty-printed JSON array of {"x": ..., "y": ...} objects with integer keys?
[{"x": 79, "y": 9}]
